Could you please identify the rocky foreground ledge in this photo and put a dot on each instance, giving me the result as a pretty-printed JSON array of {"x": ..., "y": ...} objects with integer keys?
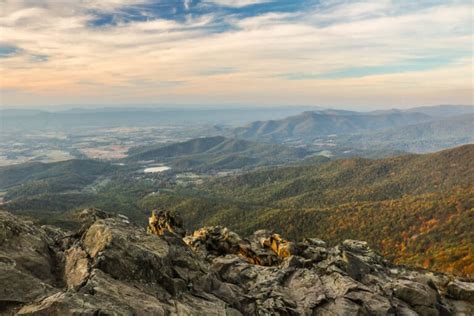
[{"x": 112, "y": 267}]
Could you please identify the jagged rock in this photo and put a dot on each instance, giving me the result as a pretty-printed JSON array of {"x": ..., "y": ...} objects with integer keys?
[
  {"x": 282, "y": 248},
  {"x": 306, "y": 289},
  {"x": 161, "y": 222},
  {"x": 421, "y": 297},
  {"x": 76, "y": 269},
  {"x": 20, "y": 287},
  {"x": 214, "y": 241},
  {"x": 27, "y": 262},
  {"x": 356, "y": 246},
  {"x": 372, "y": 303},
  {"x": 63, "y": 303},
  {"x": 294, "y": 262},
  {"x": 26, "y": 248},
  {"x": 219, "y": 241},
  {"x": 126, "y": 252},
  {"x": 461, "y": 290},
  {"x": 341, "y": 306},
  {"x": 114, "y": 267},
  {"x": 89, "y": 216}
]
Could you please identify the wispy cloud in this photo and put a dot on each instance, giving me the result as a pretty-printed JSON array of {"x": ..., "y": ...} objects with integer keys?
[
  {"x": 217, "y": 71},
  {"x": 238, "y": 3},
  {"x": 274, "y": 52},
  {"x": 7, "y": 50}
]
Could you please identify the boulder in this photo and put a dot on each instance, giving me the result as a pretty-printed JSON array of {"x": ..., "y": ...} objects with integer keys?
[{"x": 27, "y": 263}]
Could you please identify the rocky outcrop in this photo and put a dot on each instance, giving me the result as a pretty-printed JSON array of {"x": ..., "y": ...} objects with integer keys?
[{"x": 114, "y": 267}]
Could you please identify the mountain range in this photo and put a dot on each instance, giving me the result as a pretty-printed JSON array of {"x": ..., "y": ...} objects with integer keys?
[
  {"x": 79, "y": 118},
  {"x": 312, "y": 124},
  {"x": 423, "y": 137},
  {"x": 420, "y": 130}
]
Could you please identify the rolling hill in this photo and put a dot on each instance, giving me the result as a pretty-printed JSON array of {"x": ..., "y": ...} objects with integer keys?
[
  {"x": 216, "y": 153},
  {"x": 37, "y": 178},
  {"x": 422, "y": 137},
  {"x": 415, "y": 209},
  {"x": 37, "y": 171}
]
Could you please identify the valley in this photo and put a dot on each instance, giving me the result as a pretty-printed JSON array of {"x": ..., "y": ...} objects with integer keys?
[
  {"x": 337, "y": 174},
  {"x": 236, "y": 157}
]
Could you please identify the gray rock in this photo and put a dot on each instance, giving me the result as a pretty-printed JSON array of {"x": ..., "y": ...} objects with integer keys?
[
  {"x": 461, "y": 290},
  {"x": 414, "y": 293},
  {"x": 111, "y": 266},
  {"x": 340, "y": 306}
]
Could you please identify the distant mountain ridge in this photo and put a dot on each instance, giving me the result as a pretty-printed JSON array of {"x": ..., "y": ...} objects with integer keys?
[
  {"x": 422, "y": 137},
  {"x": 30, "y": 119},
  {"x": 420, "y": 130},
  {"x": 444, "y": 110},
  {"x": 309, "y": 125}
]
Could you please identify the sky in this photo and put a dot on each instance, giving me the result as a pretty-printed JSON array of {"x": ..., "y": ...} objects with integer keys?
[{"x": 349, "y": 54}]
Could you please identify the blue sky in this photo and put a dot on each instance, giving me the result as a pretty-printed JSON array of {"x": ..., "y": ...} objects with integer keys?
[
  {"x": 181, "y": 10},
  {"x": 352, "y": 54}
]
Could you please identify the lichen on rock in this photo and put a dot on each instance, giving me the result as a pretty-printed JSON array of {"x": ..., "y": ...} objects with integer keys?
[{"x": 161, "y": 222}]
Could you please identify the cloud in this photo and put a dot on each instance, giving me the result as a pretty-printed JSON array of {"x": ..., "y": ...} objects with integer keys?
[
  {"x": 217, "y": 71},
  {"x": 187, "y": 4},
  {"x": 7, "y": 50},
  {"x": 39, "y": 58},
  {"x": 306, "y": 54},
  {"x": 238, "y": 3}
]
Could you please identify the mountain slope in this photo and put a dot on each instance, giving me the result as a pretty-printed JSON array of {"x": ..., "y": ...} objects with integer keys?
[
  {"x": 310, "y": 125},
  {"x": 19, "y": 174},
  {"x": 355, "y": 179},
  {"x": 216, "y": 153},
  {"x": 416, "y": 209}
]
